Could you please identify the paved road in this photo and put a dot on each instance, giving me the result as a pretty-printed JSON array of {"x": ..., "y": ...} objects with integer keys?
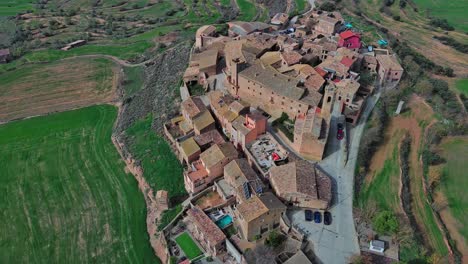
[{"x": 337, "y": 242}]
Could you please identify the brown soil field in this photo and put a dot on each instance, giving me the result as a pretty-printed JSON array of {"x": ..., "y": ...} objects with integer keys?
[{"x": 63, "y": 85}]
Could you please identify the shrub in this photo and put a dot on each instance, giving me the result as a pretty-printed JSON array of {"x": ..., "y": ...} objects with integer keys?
[
  {"x": 453, "y": 43},
  {"x": 274, "y": 239},
  {"x": 389, "y": 2},
  {"x": 442, "y": 23},
  {"x": 397, "y": 18},
  {"x": 327, "y": 6},
  {"x": 385, "y": 222},
  {"x": 402, "y": 3}
]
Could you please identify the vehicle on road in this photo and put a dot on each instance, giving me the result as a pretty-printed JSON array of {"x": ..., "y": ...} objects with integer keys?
[
  {"x": 327, "y": 218},
  {"x": 317, "y": 217},
  {"x": 308, "y": 215},
  {"x": 340, "y": 133}
]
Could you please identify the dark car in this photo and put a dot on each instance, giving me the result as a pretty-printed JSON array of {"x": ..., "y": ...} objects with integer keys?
[
  {"x": 327, "y": 218},
  {"x": 340, "y": 133},
  {"x": 317, "y": 217},
  {"x": 308, "y": 215}
]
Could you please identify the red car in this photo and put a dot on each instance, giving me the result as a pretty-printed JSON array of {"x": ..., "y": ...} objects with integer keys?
[{"x": 340, "y": 133}]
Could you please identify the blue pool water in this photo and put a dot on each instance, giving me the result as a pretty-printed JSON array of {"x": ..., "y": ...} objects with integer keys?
[{"x": 224, "y": 221}]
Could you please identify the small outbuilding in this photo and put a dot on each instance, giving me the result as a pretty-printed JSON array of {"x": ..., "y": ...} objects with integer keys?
[
  {"x": 377, "y": 246},
  {"x": 5, "y": 55}
]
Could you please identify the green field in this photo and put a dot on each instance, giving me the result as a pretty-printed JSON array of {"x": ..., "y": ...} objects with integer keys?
[
  {"x": 189, "y": 247},
  {"x": 454, "y": 11},
  {"x": 462, "y": 86},
  {"x": 247, "y": 10},
  {"x": 383, "y": 189},
  {"x": 13, "y": 7},
  {"x": 65, "y": 195},
  {"x": 161, "y": 168},
  {"x": 454, "y": 180}
]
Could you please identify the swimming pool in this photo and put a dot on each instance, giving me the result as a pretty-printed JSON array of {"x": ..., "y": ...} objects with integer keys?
[{"x": 224, "y": 221}]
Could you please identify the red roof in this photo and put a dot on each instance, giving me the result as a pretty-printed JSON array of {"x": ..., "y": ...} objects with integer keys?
[
  {"x": 347, "y": 61},
  {"x": 320, "y": 71},
  {"x": 347, "y": 34}
]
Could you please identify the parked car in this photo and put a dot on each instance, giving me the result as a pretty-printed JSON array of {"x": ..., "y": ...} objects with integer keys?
[
  {"x": 308, "y": 215},
  {"x": 327, "y": 218},
  {"x": 340, "y": 133},
  {"x": 317, "y": 217}
]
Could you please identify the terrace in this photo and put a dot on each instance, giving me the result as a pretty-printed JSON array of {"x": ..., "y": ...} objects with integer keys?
[{"x": 267, "y": 152}]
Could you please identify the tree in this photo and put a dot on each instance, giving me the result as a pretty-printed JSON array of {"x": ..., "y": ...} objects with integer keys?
[
  {"x": 386, "y": 222},
  {"x": 274, "y": 239}
]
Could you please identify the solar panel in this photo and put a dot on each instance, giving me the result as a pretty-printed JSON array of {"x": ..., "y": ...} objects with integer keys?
[{"x": 246, "y": 189}]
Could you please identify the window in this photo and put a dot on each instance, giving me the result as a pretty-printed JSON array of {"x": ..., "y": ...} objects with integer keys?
[
  {"x": 329, "y": 99},
  {"x": 396, "y": 73}
]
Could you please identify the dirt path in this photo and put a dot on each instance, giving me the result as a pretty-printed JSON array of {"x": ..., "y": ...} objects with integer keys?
[{"x": 113, "y": 58}]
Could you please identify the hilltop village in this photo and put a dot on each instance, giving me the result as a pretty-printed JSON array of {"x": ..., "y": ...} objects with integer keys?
[{"x": 251, "y": 140}]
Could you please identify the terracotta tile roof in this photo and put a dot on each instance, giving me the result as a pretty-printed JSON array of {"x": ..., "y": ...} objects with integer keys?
[
  {"x": 203, "y": 120},
  {"x": 348, "y": 86},
  {"x": 252, "y": 209},
  {"x": 270, "y": 57},
  {"x": 291, "y": 57},
  {"x": 239, "y": 171},
  {"x": 209, "y": 229},
  {"x": 300, "y": 177},
  {"x": 320, "y": 71},
  {"x": 259, "y": 205},
  {"x": 347, "y": 61},
  {"x": 312, "y": 98},
  {"x": 200, "y": 171},
  {"x": 189, "y": 146},
  {"x": 205, "y": 30},
  {"x": 271, "y": 79},
  {"x": 205, "y": 59},
  {"x": 238, "y": 125},
  {"x": 237, "y": 106},
  {"x": 218, "y": 152},
  {"x": 210, "y": 137},
  {"x": 347, "y": 34},
  {"x": 271, "y": 201},
  {"x": 193, "y": 106},
  {"x": 389, "y": 62},
  {"x": 243, "y": 28},
  {"x": 370, "y": 59}
]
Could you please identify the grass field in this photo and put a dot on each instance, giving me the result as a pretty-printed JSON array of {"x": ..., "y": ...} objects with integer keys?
[
  {"x": 62, "y": 85},
  {"x": 189, "y": 247},
  {"x": 454, "y": 180},
  {"x": 65, "y": 195},
  {"x": 454, "y": 11},
  {"x": 161, "y": 168},
  {"x": 384, "y": 186},
  {"x": 462, "y": 86},
  {"x": 247, "y": 10},
  {"x": 12, "y": 7}
]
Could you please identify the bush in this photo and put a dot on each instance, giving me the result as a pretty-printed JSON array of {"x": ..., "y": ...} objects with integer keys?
[
  {"x": 385, "y": 222},
  {"x": 402, "y": 3},
  {"x": 442, "y": 23},
  {"x": 453, "y": 43},
  {"x": 327, "y": 6},
  {"x": 397, "y": 18},
  {"x": 274, "y": 239}
]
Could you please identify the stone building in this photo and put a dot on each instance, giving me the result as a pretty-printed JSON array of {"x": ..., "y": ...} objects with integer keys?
[
  {"x": 311, "y": 133},
  {"x": 389, "y": 70},
  {"x": 242, "y": 179},
  {"x": 207, "y": 233},
  {"x": 301, "y": 184},
  {"x": 259, "y": 215}
]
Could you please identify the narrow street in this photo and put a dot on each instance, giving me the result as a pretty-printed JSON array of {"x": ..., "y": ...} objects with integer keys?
[{"x": 337, "y": 242}]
